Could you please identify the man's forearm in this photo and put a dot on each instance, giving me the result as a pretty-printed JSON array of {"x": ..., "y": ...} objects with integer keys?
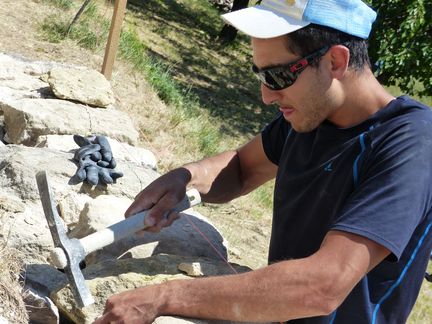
[
  {"x": 280, "y": 292},
  {"x": 217, "y": 178}
]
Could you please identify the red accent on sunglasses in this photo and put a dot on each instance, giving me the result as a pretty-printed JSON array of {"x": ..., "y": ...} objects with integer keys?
[{"x": 299, "y": 65}]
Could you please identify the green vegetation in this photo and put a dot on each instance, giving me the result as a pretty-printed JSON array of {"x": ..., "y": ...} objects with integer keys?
[
  {"x": 62, "y": 4},
  {"x": 401, "y": 44}
]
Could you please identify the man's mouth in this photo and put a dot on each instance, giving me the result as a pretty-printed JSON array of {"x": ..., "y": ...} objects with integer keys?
[{"x": 286, "y": 110}]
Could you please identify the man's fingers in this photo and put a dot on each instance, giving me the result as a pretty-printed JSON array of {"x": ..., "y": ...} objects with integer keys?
[
  {"x": 170, "y": 218},
  {"x": 164, "y": 205},
  {"x": 143, "y": 201}
]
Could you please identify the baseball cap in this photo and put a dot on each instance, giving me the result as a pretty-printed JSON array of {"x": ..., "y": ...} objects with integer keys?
[{"x": 274, "y": 18}]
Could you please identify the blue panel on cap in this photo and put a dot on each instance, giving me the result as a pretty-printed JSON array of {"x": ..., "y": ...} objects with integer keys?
[{"x": 353, "y": 17}]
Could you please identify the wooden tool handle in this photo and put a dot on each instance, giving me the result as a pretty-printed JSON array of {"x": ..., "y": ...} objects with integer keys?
[{"x": 131, "y": 225}]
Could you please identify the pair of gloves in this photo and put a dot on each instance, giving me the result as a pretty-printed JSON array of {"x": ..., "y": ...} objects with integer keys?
[{"x": 96, "y": 161}]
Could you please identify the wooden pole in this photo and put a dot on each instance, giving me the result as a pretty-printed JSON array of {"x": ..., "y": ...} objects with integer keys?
[{"x": 113, "y": 38}]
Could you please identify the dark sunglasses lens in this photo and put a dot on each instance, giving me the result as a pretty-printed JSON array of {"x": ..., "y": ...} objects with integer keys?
[{"x": 277, "y": 79}]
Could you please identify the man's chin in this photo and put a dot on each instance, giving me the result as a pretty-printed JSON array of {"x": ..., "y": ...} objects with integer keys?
[{"x": 299, "y": 128}]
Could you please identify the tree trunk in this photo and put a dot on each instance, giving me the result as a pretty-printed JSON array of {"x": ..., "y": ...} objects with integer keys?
[{"x": 228, "y": 32}]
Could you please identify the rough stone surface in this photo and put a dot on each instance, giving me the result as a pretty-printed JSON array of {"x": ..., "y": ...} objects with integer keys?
[
  {"x": 121, "y": 151},
  {"x": 31, "y": 115},
  {"x": 43, "y": 278},
  {"x": 191, "y": 269},
  {"x": 40, "y": 308},
  {"x": 83, "y": 85},
  {"x": 19, "y": 165},
  {"x": 24, "y": 221},
  {"x": 107, "y": 278},
  {"x": 27, "y": 119},
  {"x": 99, "y": 213},
  {"x": 21, "y": 78},
  {"x": 181, "y": 238},
  {"x": 70, "y": 206}
]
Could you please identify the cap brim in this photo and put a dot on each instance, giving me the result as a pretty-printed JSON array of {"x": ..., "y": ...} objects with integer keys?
[{"x": 262, "y": 23}]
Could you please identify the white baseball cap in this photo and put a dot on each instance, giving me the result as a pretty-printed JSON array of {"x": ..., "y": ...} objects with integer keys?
[{"x": 274, "y": 18}]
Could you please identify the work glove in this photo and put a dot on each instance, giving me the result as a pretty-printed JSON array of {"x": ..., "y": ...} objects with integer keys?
[{"x": 95, "y": 161}]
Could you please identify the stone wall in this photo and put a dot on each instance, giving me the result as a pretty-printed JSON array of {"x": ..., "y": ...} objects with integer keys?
[{"x": 36, "y": 133}]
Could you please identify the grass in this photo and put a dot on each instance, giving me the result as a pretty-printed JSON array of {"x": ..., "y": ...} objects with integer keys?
[
  {"x": 422, "y": 312},
  {"x": 91, "y": 33},
  {"x": 12, "y": 306},
  {"x": 62, "y": 4},
  {"x": 213, "y": 99}
]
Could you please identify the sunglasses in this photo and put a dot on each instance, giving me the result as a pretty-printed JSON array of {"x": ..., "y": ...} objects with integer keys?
[{"x": 282, "y": 76}]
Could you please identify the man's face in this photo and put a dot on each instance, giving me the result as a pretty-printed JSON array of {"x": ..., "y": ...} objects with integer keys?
[{"x": 307, "y": 102}]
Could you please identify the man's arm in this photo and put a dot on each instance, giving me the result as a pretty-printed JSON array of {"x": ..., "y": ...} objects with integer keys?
[
  {"x": 307, "y": 287},
  {"x": 220, "y": 178},
  {"x": 232, "y": 174}
]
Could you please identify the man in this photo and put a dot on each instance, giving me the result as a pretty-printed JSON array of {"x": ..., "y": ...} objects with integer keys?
[{"x": 352, "y": 204}]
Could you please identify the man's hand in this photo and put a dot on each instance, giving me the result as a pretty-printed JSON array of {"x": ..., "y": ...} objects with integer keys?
[
  {"x": 131, "y": 307},
  {"x": 159, "y": 198}
]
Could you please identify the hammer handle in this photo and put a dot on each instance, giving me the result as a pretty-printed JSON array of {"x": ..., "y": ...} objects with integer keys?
[{"x": 131, "y": 225}]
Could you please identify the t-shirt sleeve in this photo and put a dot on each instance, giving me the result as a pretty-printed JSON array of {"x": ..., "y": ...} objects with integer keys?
[
  {"x": 273, "y": 136},
  {"x": 394, "y": 189}
]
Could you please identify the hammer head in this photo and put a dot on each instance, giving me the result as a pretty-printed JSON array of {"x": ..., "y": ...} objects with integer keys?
[{"x": 72, "y": 248}]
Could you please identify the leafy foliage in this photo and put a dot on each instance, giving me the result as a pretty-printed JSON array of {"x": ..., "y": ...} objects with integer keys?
[{"x": 400, "y": 44}]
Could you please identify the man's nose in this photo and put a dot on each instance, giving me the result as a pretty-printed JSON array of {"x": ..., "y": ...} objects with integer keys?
[{"x": 269, "y": 96}]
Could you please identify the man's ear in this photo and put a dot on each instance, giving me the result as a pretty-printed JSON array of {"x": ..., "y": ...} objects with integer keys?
[{"x": 340, "y": 56}]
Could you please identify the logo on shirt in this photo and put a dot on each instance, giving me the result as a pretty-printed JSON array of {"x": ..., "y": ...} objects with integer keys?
[{"x": 329, "y": 167}]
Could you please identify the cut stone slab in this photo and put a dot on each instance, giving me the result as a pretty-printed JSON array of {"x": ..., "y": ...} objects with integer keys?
[
  {"x": 121, "y": 151},
  {"x": 83, "y": 85},
  {"x": 27, "y": 119},
  {"x": 21, "y": 78},
  {"x": 27, "y": 232},
  {"x": 181, "y": 238},
  {"x": 23, "y": 219},
  {"x": 19, "y": 165},
  {"x": 112, "y": 277},
  {"x": 40, "y": 308},
  {"x": 99, "y": 213}
]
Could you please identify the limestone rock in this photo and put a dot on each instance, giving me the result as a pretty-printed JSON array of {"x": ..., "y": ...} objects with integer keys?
[
  {"x": 83, "y": 85},
  {"x": 19, "y": 165},
  {"x": 27, "y": 119},
  {"x": 70, "y": 206},
  {"x": 21, "y": 78},
  {"x": 43, "y": 278},
  {"x": 40, "y": 308},
  {"x": 9, "y": 203},
  {"x": 121, "y": 151},
  {"x": 181, "y": 238},
  {"x": 100, "y": 213},
  {"x": 27, "y": 232},
  {"x": 111, "y": 277},
  {"x": 64, "y": 143},
  {"x": 23, "y": 220},
  {"x": 192, "y": 269}
]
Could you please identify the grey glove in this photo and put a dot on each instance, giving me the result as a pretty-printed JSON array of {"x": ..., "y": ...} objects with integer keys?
[{"x": 96, "y": 161}]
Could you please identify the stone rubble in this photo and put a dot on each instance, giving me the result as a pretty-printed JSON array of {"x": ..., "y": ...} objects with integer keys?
[{"x": 37, "y": 131}]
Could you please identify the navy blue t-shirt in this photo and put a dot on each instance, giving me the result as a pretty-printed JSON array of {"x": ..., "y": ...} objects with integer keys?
[{"x": 374, "y": 180}]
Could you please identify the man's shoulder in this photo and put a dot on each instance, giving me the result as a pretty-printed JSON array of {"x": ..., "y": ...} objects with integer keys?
[{"x": 406, "y": 113}]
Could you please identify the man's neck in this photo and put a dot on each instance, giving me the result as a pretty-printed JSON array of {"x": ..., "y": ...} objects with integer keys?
[{"x": 362, "y": 96}]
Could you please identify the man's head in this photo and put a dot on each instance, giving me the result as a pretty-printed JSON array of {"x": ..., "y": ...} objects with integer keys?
[{"x": 289, "y": 36}]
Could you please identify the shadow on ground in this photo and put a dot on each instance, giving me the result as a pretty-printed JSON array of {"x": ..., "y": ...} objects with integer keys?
[{"x": 218, "y": 74}]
